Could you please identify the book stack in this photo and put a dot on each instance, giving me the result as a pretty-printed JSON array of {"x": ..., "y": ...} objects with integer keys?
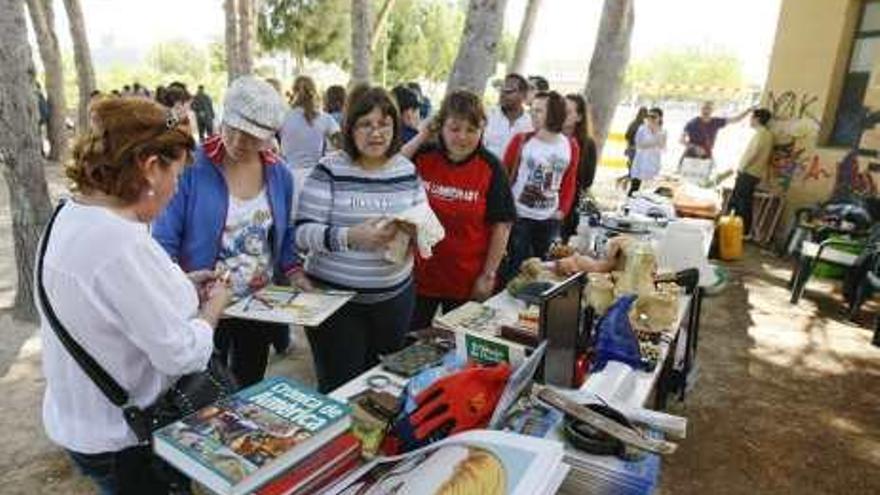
[
  {"x": 276, "y": 431},
  {"x": 605, "y": 474}
]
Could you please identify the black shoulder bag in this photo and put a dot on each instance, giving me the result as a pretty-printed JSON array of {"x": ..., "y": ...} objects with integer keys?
[{"x": 186, "y": 396}]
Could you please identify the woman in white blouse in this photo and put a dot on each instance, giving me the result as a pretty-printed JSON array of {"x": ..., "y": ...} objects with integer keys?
[
  {"x": 118, "y": 293},
  {"x": 650, "y": 145}
]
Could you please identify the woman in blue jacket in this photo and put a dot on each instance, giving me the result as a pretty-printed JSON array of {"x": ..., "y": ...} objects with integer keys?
[{"x": 232, "y": 213}]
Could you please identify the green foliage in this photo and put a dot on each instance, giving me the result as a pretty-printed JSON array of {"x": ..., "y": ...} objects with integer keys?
[
  {"x": 689, "y": 68},
  {"x": 314, "y": 29},
  {"x": 179, "y": 57},
  {"x": 420, "y": 41}
]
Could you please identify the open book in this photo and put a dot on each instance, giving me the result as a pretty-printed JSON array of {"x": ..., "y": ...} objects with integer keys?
[
  {"x": 289, "y": 305},
  {"x": 476, "y": 462}
]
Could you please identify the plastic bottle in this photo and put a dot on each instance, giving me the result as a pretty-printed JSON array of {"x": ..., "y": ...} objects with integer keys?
[{"x": 730, "y": 237}]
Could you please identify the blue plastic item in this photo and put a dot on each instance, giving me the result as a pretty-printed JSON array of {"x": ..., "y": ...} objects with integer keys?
[{"x": 616, "y": 340}]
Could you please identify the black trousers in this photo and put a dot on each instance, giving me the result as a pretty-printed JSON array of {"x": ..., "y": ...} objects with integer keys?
[
  {"x": 426, "y": 308},
  {"x": 131, "y": 471},
  {"x": 243, "y": 345},
  {"x": 350, "y": 342},
  {"x": 528, "y": 238},
  {"x": 634, "y": 185},
  {"x": 741, "y": 198}
]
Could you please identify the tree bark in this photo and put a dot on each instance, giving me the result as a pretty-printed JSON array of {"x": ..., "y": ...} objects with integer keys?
[
  {"x": 20, "y": 155},
  {"x": 43, "y": 21},
  {"x": 231, "y": 14},
  {"x": 85, "y": 72},
  {"x": 521, "y": 53},
  {"x": 360, "y": 41},
  {"x": 381, "y": 19},
  {"x": 608, "y": 65},
  {"x": 245, "y": 36},
  {"x": 478, "y": 51}
]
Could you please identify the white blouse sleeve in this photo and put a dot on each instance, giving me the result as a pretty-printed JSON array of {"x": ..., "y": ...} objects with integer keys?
[{"x": 157, "y": 308}]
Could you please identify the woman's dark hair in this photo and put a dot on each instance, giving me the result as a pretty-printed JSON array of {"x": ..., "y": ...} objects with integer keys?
[
  {"x": 582, "y": 130},
  {"x": 462, "y": 104},
  {"x": 406, "y": 98},
  {"x": 173, "y": 94},
  {"x": 763, "y": 115},
  {"x": 334, "y": 99},
  {"x": 122, "y": 132},
  {"x": 584, "y": 137},
  {"x": 555, "y": 110},
  {"x": 305, "y": 96},
  {"x": 659, "y": 112},
  {"x": 361, "y": 103}
]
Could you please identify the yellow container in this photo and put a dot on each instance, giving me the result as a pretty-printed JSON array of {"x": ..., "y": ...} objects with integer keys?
[{"x": 730, "y": 237}]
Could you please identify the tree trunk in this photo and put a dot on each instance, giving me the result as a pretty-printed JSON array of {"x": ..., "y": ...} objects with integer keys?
[
  {"x": 608, "y": 65},
  {"x": 85, "y": 73},
  {"x": 478, "y": 51},
  {"x": 43, "y": 21},
  {"x": 231, "y": 14},
  {"x": 20, "y": 156},
  {"x": 246, "y": 36},
  {"x": 521, "y": 53},
  {"x": 381, "y": 19},
  {"x": 360, "y": 41}
]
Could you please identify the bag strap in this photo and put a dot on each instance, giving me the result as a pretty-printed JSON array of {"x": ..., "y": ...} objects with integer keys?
[{"x": 110, "y": 387}]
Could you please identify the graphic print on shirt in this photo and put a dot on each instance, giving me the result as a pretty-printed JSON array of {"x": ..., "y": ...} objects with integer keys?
[
  {"x": 245, "y": 249},
  {"x": 450, "y": 193},
  {"x": 543, "y": 180}
]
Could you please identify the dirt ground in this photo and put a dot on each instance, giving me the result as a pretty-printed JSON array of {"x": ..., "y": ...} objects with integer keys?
[{"x": 787, "y": 399}]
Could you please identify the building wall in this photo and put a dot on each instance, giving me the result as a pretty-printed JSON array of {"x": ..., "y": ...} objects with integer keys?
[{"x": 810, "y": 57}]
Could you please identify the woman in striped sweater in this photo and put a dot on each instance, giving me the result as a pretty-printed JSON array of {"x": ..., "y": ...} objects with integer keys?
[{"x": 343, "y": 223}]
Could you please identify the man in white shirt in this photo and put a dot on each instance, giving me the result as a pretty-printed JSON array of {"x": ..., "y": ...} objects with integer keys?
[{"x": 509, "y": 118}]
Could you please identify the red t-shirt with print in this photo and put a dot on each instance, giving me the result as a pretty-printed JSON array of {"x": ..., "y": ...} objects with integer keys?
[{"x": 468, "y": 197}]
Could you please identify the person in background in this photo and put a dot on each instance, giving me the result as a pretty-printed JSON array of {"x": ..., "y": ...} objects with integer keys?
[
  {"x": 410, "y": 119},
  {"x": 126, "y": 90},
  {"x": 537, "y": 84},
  {"x": 425, "y": 106},
  {"x": 334, "y": 102},
  {"x": 577, "y": 126},
  {"x": 118, "y": 294},
  {"x": 700, "y": 132},
  {"x": 159, "y": 94},
  {"x": 509, "y": 118},
  {"x": 305, "y": 133},
  {"x": 543, "y": 166},
  {"x": 343, "y": 223},
  {"x": 630, "y": 135},
  {"x": 204, "y": 110},
  {"x": 232, "y": 214},
  {"x": 650, "y": 145},
  {"x": 468, "y": 191},
  {"x": 753, "y": 167}
]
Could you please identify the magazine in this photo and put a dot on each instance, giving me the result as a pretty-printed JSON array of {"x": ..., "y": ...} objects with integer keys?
[
  {"x": 289, "y": 305},
  {"x": 241, "y": 442},
  {"x": 475, "y": 462},
  {"x": 474, "y": 317}
]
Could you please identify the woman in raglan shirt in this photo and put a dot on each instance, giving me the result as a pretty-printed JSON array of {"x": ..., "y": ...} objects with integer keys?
[
  {"x": 468, "y": 191},
  {"x": 343, "y": 222},
  {"x": 543, "y": 168}
]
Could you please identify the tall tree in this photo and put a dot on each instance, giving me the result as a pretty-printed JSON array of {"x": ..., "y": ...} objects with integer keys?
[
  {"x": 478, "y": 50},
  {"x": 43, "y": 20},
  {"x": 608, "y": 65},
  {"x": 381, "y": 19},
  {"x": 85, "y": 73},
  {"x": 230, "y": 13},
  {"x": 521, "y": 53},
  {"x": 20, "y": 156},
  {"x": 246, "y": 36},
  {"x": 361, "y": 21}
]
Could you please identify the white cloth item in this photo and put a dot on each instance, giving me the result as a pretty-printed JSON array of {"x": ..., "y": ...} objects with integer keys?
[
  {"x": 244, "y": 245},
  {"x": 131, "y": 308},
  {"x": 539, "y": 177},
  {"x": 499, "y": 130},
  {"x": 649, "y": 152},
  {"x": 303, "y": 143},
  {"x": 429, "y": 231}
]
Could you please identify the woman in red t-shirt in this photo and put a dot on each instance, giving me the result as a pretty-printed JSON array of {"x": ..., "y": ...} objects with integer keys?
[{"x": 469, "y": 192}]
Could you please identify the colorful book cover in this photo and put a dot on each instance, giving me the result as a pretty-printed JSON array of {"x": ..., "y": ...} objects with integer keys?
[
  {"x": 255, "y": 434},
  {"x": 340, "y": 451},
  {"x": 289, "y": 305}
]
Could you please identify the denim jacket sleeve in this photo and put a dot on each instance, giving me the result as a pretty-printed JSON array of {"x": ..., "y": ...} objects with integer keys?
[
  {"x": 168, "y": 227},
  {"x": 289, "y": 260}
]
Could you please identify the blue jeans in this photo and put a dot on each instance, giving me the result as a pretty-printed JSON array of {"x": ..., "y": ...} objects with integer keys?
[
  {"x": 135, "y": 470},
  {"x": 528, "y": 239},
  {"x": 350, "y": 342}
]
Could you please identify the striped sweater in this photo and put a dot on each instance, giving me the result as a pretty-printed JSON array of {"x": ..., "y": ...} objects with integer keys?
[{"x": 338, "y": 195}]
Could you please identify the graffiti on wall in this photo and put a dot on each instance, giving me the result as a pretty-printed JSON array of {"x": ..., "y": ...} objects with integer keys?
[{"x": 795, "y": 128}]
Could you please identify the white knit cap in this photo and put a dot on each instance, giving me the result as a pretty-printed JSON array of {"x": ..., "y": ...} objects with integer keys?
[{"x": 253, "y": 106}]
